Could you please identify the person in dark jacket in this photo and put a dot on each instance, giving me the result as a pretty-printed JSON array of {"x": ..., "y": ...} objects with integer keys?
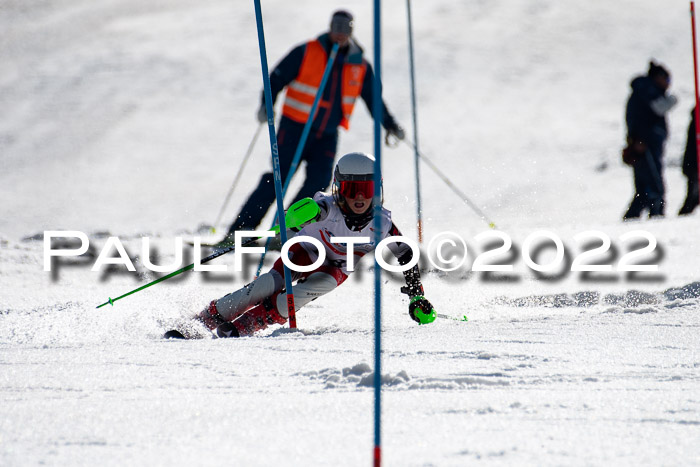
[
  {"x": 690, "y": 169},
  {"x": 300, "y": 72},
  {"x": 646, "y": 135}
]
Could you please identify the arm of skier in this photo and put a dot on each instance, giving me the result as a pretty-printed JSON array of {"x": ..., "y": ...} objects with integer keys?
[
  {"x": 302, "y": 213},
  {"x": 419, "y": 308}
]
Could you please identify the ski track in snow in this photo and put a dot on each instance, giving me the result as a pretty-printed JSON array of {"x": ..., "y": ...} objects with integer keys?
[{"x": 128, "y": 118}]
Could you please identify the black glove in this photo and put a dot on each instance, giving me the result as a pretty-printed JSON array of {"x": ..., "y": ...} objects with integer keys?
[
  {"x": 262, "y": 114},
  {"x": 395, "y": 130},
  {"x": 421, "y": 310}
]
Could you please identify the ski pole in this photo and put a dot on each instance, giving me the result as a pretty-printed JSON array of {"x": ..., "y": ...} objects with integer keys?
[
  {"x": 302, "y": 141},
  {"x": 463, "y": 319},
  {"x": 415, "y": 122},
  {"x": 238, "y": 177},
  {"x": 291, "y": 310},
  {"x": 300, "y": 213},
  {"x": 456, "y": 190},
  {"x": 111, "y": 301}
]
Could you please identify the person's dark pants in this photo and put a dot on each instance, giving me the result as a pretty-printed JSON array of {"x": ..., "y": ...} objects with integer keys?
[
  {"x": 319, "y": 154},
  {"x": 648, "y": 184},
  {"x": 691, "y": 200}
]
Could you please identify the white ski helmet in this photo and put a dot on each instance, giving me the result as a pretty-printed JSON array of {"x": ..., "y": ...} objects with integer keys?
[
  {"x": 354, "y": 166},
  {"x": 354, "y": 174}
]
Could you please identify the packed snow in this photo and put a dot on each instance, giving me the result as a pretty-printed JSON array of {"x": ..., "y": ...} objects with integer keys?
[{"x": 130, "y": 119}]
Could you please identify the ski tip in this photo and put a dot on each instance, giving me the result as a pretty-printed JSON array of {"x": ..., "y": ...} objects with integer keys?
[{"x": 173, "y": 334}]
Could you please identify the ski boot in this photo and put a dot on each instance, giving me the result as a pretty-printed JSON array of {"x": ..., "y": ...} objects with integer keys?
[
  {"x": 254, "y": 320},
  {"x": 210, "y": 316}
]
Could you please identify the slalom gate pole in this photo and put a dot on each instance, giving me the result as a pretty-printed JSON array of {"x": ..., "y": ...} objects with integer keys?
[
  {"x": 415, "y": 122},
  {"x": 697, "y": 98},
  {"x": 179, "y": 271},
  {"x": 238, "y": 177},
  {"x": 309, "y": 121},
  {"x": 454, "y": 188},
  {"x": 275, "y": 160},
  {"x": 377, "y": 206},
  {"x": 302, "y": 141}
]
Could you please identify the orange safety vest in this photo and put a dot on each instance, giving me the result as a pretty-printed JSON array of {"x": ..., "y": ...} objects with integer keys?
[{"x": 301, "y": 92}]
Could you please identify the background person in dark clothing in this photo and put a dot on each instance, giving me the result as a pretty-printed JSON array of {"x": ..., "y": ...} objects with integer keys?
[
  {"x": 300, "y": 72},
  {"x": 646, "y": 135},
  {"x": 690, "y": 169}
]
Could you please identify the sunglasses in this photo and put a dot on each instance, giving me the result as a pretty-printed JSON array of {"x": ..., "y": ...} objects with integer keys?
[{"x": 350, "y": 189}]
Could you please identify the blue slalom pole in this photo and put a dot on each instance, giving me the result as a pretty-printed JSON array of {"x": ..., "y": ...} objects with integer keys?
[
  {"x": 378, "y": 117},
  {"x": 302, "y": 141},
  {"x": 415, "y": 122},
  {"x": 309, "y": 121},
  {"x": 275, "y": 160}
]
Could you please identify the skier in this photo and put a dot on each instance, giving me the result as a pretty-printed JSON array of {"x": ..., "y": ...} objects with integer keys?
[
  {"x": 347, "y": 212},
  {"x": 690, "y": 169},
  {"x": 646, "y": 135},
  {"x": 300, "y": 72}
]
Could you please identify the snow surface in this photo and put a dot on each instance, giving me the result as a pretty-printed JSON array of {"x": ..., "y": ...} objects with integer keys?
[{"x": 129, "y": 118}]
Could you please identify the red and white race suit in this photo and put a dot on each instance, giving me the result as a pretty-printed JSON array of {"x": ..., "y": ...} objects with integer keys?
[{"x": 333, "y": 272}]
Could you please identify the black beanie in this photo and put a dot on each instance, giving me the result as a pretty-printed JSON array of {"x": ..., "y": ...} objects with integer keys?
[
  {"x": 342, "y": 22},
  {"x": 657, "y": 70}
]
